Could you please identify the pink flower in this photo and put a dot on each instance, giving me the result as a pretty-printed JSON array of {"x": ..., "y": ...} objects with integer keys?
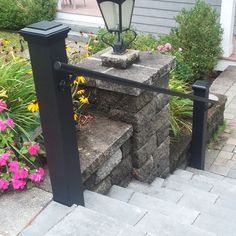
[
  {"x": 4, "y": 184},
  {"x": 33, "y": 149},
  {"x": 21, "y": 174},
  {"x": 3, "y": 159},
  {"x": 37, "y": 176},
  {"x": 2, "y": 126},
  {"x": 9, "y": 122},
  {"x": 168, "y": 46},
  {"x": 14, "y": 166},
  {"x": 3, "y": 105},
  {"x": 18, "y": 184},
  {"x": 160, "y": 48}
]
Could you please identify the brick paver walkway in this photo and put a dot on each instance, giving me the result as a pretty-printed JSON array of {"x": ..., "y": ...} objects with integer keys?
[{"x": 222, "y": 158}]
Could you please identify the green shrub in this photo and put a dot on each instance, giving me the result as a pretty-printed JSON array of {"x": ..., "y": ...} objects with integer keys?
[
  {"x": 143, "y": 42},
  {"x": 15, "y": 14},
  {"x": 199, "y": 35}
]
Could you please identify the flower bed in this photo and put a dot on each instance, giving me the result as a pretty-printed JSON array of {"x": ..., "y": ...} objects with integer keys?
[{"x": 20, "y": 164}]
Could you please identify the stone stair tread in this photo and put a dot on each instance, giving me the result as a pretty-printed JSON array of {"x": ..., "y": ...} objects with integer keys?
[
  {"x": 185, "y": 174},
  {"x": 155, "y": 222},
  {"x": 51, "y": 215},
  {"x": 228, "y": 201},
  {"x": 211, "y": 177},
  {"x": 120, "y": 193},
  {"x": 215, "y": 225},
  {"x": 188, "y": 189},
  {"x": 152, "y": 204},
  {"x": 85, "y": 222},
  {"x": 155, "y": 190},
  {"x": 219, "y": 187},
  {"x": 205, "y": 173},
  {"x": 194, "y": 183},
  {"x": 162, "y": 225},
  {"x": 116, "y": 209}
]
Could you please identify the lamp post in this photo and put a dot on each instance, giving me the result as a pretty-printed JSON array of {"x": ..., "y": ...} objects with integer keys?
[{"x": 117, "y": 15}]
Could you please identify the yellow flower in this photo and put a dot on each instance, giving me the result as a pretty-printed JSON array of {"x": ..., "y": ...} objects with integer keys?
[
  {"x": 3, "y": 93},
  {"x": 68, "y": 49},
  {"x": 6, "y": 42},
  {"x": 83, "y": 99},
  {"x": 80, "y": 92},
  {"x": 33, "y": 106},
  {"x": 30, "y": 72},
  {"x": 88, "y": 47},
  {"x": 78, "y": 80},
  {"x": 75, "y": 117}
]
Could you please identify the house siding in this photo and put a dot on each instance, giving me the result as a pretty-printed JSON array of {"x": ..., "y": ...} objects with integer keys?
[
  {"x": 235, "y": 23},
  {"x": 157, "y": 16}
]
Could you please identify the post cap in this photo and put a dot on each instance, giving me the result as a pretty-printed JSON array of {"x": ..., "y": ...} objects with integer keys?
[
  {"x": 201, "y": 84},
  {"x": 44, "y": 30}
]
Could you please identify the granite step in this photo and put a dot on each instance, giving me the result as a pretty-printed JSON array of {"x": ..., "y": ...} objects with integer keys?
[
  {"x": 153, "y": 204},
  {"x": 157, "y": 220},
  {"x": 187, "y": 189},
  {"x": 50, "y": 216},
  {"x": 214, "y": 224},
  {"x": 85, "y": 222},
  {"x": 204, "y": 183},
  {"x": 207, "y": 187},
  {"x": 210, "y": 177},
  {"x": 155, "y": 189},
  {"x": 116, "y": 209}
]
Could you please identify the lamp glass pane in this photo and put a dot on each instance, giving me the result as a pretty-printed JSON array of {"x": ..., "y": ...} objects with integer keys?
[
  {"x": 127, "y": 10},
  {"x": 110, "y": 13}
]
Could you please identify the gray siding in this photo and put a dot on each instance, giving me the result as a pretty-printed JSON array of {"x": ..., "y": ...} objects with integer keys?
[
  {"x": 157, "y": 16},
  {"x": 235, "y": 23}
]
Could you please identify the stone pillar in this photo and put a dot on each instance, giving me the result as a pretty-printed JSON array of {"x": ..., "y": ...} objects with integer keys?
[
  {"x": 147, "y": 112},
  {"x": 227, "y": 23}
]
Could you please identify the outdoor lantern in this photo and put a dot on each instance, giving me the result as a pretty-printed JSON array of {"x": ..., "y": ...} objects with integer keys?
[{"x": 117, "y": 15}]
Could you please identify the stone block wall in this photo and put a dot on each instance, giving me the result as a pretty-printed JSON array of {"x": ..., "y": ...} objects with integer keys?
[{"x": 147, "y": 112}]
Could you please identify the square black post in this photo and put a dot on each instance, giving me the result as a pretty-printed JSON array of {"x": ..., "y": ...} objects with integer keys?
[
  {"x": 46, "y": 42},
  {"x": 198, "y": 146}
]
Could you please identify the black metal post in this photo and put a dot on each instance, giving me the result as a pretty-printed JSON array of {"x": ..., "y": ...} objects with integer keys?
[
  {"x": 46, "y": 42},
  {"x": 198, "y": 146}
]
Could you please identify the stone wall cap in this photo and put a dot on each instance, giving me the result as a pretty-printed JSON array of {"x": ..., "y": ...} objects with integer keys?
[
  {"x": 98, "y": 141},
  {"x": 150, "y": 65}
]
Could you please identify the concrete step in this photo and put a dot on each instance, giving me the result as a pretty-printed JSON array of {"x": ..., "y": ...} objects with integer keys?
[
  {"x": 164, "y": 226},
  {"x": 155, "y": 189},
  {"x": 116, "y": 209},
  {"x": 207, "y": 187},
  {"x": 50, "y": 216},
  {"x": 211, "y": 176},
  {"x": 157, "y": 220},
  {"x": 85, "y": 222},
  {"x": 77, "y": 37},
  {"x": 81, "y": 26},
  {"x": 216, "y": 225},
  {"x": 188, "y": 190},
  {"x": 204, "y": 183},
  {"x": 144, "y": 201}
]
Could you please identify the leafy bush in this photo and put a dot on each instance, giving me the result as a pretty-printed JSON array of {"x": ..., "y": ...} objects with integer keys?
[
  {"x": 199, "y": 35},
  {"x": 143, "y": 42},
  {"x": 15, "y": 14}
]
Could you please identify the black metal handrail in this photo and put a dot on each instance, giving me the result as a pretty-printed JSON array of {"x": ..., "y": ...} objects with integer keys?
[{"x": 76, "y": 70}]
